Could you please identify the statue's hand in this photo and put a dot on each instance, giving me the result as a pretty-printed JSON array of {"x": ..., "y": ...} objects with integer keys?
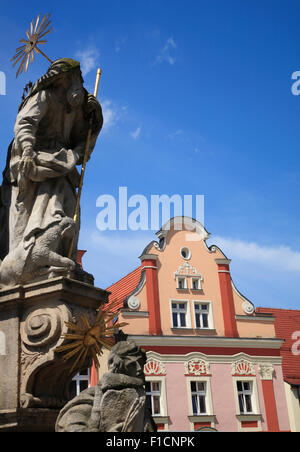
[
  {"x": 92, "y": 103},
  {"x": 94, "y": 109},
  {"x": 27, "y": 167}
]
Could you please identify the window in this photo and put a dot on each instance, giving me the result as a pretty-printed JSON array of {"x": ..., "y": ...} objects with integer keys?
[
  {"x": 245, "y": 391},
  {"x": 179, "y": 314},
  {"x": 79, "y": 383},
  {"x": 181, "y": 283},
  {"x": 196, "y": 285},
  {"x": 153, "y": 397},
  {"x": 202, "y": 315},
  {"x": 198, "y": 393},
  {"x": 185, "y": 253}
]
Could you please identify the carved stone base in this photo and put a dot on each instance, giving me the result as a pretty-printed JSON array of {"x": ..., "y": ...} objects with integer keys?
[{"x": 34, "y": 379}]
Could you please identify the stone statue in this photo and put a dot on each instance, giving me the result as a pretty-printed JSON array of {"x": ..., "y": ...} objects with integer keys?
[
  {"x": 38, "y": 193},
  {"x": 117, "y": 403}
]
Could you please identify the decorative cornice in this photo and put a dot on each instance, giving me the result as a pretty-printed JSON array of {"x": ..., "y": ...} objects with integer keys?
[
  {"x": 256, "y": 318},
  {"x": 132, "y": 313},
  {"x": 214, "y": 359},
  {"x": 223, "y": 261},
  {"x": 149, "y": 257},
  {"x": 208, "y": 341}
]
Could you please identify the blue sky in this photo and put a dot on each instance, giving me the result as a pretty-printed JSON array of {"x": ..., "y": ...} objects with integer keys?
[{"x": 197, "y": 100}]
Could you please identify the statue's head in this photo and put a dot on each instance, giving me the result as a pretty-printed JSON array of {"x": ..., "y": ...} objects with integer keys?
[
  {"x": 127, "y": 358},
  {"x": 64, "y": 74},
  {"x": 68, "y": 78}
]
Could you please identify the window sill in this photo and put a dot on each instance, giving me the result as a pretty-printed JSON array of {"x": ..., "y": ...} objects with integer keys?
[
  {"x": 158, "y": 419},
  {"x": 202, "y": 418},
  {"x": 249, "y": 417},
  {"x": 183, "y": 328}
]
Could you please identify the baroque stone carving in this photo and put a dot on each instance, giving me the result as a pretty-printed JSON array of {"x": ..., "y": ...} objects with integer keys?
[
  {"x": 243, "y": 367},
  {"x": 154, "y": 367},
  {"x": 197, "y": 367},
  {"x": 117, "y": 403},
  {"x": 45, "y": 376},
  {"x": 266, "y": 371},
  {"x": 38, "y": 193},
  {"x": 40, "y": 333}
]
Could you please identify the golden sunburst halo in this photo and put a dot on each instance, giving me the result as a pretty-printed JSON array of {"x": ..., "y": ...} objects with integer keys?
[
  {"x": 87, "y": 341},
  {"x": 38, "y": 29}
]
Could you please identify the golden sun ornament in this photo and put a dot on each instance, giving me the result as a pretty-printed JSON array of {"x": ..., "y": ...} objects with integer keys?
[
  {"x": 88, "y": 341},
  {"x": 25, "y": 53}
]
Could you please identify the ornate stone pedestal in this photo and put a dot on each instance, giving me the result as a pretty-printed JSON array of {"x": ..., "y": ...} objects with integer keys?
[{"x": 34, "y": 379}]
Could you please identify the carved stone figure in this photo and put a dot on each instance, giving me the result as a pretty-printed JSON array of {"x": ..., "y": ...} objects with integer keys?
[
  {"x": 117, "y": 403},
  {"x": 38, "y": 194}
]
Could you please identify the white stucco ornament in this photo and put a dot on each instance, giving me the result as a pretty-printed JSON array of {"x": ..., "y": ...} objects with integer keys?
[
  {"x": 134, "y": 302},
  {"x": 196, "y": 367},
  {"x": 248, "y": 308},
  {"x": 266, "y": 371}
]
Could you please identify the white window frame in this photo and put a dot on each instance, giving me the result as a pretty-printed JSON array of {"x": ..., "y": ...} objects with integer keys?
[
  {"x": 210, "y": 315},
  {"x": 254, "y": 395},
  {"x": 199, "y": 394},
  {"x": 184, "y": 279},
  {"x": 78, "y": 378},
  {"x": 208, "y": 416},
  {"x": 198, "y": 279},
  {"x": 153, "y": 394},
  {"x": 256, "y": 414},
  {"x": 161, "y": 418},
  {"x": 187, "y": 314},
  {"x": 243, "y": 394}
]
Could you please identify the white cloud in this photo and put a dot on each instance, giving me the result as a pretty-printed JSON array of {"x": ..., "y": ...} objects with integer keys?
[
  {"x": 280, "y": 258},
  {"x": 135, "y": 135},
  {"x": 110, "y": 114},
  {"x": 88, "y": 59},
  {"x": 165, "y": 54}
]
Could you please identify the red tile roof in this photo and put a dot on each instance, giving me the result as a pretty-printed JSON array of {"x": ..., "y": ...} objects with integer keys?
[
  {"x": 287, "y": 323},
  {"x": 122, "y": 288}
]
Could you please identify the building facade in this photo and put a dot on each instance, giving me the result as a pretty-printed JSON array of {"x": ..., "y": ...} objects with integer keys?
[
  {"x": 287, "y": 327},
  {"x": 214, "y": 362}
]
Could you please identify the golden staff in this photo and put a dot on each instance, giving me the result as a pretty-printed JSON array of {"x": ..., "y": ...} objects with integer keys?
[{"x": 86, "y": 153}]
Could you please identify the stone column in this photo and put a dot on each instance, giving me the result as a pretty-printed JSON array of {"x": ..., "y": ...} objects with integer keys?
[{"x": 34, "y": 379}]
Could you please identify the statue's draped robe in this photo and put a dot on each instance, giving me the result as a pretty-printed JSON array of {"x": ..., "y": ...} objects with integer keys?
[
  {"x": 105, "y": 407},
  {"x": 57, "y": 136}
]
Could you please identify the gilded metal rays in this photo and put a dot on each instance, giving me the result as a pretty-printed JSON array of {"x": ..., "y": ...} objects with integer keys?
[
  {"x": 25, "y": 54},
  {"x": 88, "y": 341}
]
